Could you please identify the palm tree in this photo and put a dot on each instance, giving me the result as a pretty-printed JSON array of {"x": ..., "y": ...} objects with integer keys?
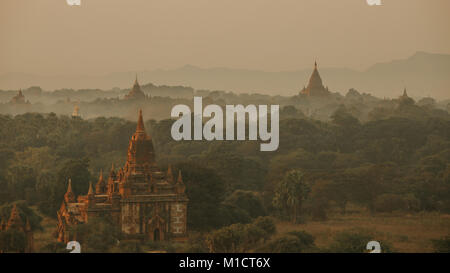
[{"x": 290, "y": 193}]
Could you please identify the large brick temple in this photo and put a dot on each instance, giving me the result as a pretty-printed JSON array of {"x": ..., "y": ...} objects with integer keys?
[
  {"x": 146, "y": 203},
  {"x": 315, "y": 86}
]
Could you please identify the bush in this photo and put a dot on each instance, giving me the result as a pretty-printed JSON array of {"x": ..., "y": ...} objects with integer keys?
[
  {"x": 355, "y": 241},
  {"x": 350, "y": 242},
  {"x": 12, "y": 241},
  {"x": 247, "y": 201},
  {"x": 54, "y": 247},
  {"x": 196, "y": 244},
  {"x": 412, "y": 203},
  {"x": 442, "y": 245},
  {"x": 160, "y": 246},
  {"x": 293, "y": 242},
  {"x": 98, "y": 235},
  {"x": 390, "y": 202},
  {"x": 241, "y": 237},
  {"x": 128, "y": 246},
  {"x": 267, "y": 224},
  {"x": 305, "y": 238}
]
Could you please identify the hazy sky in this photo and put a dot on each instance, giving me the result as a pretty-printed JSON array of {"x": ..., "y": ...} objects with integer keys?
[{"x": 49, "y": 37}]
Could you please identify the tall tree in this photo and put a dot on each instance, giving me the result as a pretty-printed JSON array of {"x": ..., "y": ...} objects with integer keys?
[{"x": 290, "y": 193}]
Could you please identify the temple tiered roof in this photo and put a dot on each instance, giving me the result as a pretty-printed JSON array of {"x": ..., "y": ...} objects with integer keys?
[
  {"x": 135, "y": 92},
  {"x": 315, "y": 86}
]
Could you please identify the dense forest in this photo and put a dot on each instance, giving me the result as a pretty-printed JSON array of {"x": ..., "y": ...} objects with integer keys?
[{"x": 395, "y": 158}]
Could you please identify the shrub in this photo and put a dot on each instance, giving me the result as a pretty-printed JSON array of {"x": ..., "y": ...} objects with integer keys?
[
  {"x": 247, "y": 201},
  {"x": 267, "y": 224},
  {"x": 54, "y": 247},
  {"x": 128, "y": 246},
  {"x": 305, "y": 238},
  {"x": 441, "y": 245},
  {"x": 293, "y": 242},
  {"x": 412, "y": 203},
  {"x": 390, "y": 202},
  {"x": 241, "y": 237},
  {"x": 350, "y": 242},
  {"x": 355, "y": 241}
]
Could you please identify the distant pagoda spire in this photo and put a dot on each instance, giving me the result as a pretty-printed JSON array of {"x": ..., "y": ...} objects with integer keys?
[
  {"x": 69, "y": 196},
  {"x": 19, "y": 98},
  {"x": 100, "y": 187},
  {"x": 405, "y": 94},
  {"x": 315, "y": 80},
  {"x": 140, "y": 125},
  {"x": 404, "y": 99},
  {"x": 315, "y": 86},
  {"x": 135, "y": 92},
  {"x": 91, "y": 190},
  {"x": 179, "y": 186}
]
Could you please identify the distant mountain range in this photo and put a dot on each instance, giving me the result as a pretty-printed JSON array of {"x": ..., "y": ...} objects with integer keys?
[{"x": 423, "y": 74}]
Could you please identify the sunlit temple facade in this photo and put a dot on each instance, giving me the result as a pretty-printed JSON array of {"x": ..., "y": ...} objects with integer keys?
[{"x": 144, "y": 202}]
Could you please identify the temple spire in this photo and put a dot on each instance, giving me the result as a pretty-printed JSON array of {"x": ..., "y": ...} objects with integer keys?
[
  {"x": 140, "y": 126},
  {"x": 101, "y": 185},
  {"x": 69, "y": 196},
  {"x": 180, "y": 179},
  {"x": 179, "y": 186},
  {"x": 69, "y": 187},
  {"x": 315, "y": 86},
  {"x": 91, "y": 190}
]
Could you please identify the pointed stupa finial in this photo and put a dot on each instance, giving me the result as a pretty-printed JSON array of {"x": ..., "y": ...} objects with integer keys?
[
  {"x": 100, "y": 186},
  {"x": 180, "y": 178},
  {"x": 91, "y": 190},
  {"x": 69, "y": 196},
  {"x": 404, "y": 92},
  {"x": 315, "y": 64},
  {"x": 140, "y": 126},
  {"x": 69, "y": 187},
  {"x": 179, "y": 186}
]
